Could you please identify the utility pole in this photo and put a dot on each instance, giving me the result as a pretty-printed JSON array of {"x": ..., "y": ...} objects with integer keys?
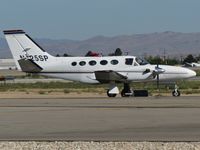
[{"x": 164, "y": 56}]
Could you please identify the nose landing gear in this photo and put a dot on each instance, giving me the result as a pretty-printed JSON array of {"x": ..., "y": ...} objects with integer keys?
[{"x": 176, "y": 92}]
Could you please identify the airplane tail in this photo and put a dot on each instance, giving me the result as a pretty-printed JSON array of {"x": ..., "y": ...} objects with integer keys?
[{"x": 24, "y": 48}]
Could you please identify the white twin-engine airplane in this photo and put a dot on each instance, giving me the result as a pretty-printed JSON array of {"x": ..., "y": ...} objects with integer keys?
[
  {"x": 31, "y": 58},
  {"x": 193, "y": 64}
]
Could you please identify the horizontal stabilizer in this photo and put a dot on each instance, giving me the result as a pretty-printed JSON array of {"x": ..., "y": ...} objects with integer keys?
[
  {"x": 29, "y": 66},
  {"x": 13, "y": 32}
]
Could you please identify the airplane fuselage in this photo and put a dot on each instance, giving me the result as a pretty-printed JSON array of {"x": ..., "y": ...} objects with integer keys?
[{"x": 83, "y": 69}]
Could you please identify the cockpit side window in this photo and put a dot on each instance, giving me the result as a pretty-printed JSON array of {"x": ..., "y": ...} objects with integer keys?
[
  {"x": 129, "y": 61},
  {"x": 136, "y": 64},
  {"x": 141, "y": 61}
]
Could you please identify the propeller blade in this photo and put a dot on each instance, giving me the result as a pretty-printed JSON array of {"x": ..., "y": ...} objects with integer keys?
[
  {"x": 158, "y": 81},
  {"x": 158, "y": 72},
  {"x": 154, "y": 74}
]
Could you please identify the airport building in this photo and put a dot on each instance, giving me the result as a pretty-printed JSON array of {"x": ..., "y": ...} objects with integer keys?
[{"x": 7, "y": 63}]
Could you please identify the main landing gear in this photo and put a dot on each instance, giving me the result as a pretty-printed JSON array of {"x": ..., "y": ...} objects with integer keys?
[
  {"x": 127, "y": 91},
  {"x": 113, "y": 90},
  {"x": 110, "y": 94}
]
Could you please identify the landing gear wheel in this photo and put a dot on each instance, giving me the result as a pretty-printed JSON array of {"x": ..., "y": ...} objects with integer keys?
[
  {"x": 111, "y": 95},
  {"x": 127, "y": 91},
  {"x": 176, "y": 93},
  {"x": 123, "y": 93}
]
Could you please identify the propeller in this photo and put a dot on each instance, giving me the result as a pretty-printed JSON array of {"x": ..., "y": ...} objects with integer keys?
[
  {"x": 156, "y": 74},
  {"x": 157, "y": 77}
]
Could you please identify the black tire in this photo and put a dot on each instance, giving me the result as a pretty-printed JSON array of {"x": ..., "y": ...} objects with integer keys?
[
  {"x": 123, "y": 94},
  {"x": 176, "y": 93},
  {"x": 111, "y": 95},
  {"x": 141, "y": 93}
]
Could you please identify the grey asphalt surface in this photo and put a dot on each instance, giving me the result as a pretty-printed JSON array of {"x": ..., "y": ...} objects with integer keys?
[{"x": 101, "y": 119}]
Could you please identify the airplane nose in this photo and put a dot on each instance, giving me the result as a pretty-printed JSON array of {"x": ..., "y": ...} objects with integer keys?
[{"x": 191, "y": 73}]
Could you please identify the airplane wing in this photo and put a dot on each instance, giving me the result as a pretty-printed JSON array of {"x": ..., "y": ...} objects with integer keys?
[
  {"x": 188, "y": 64},
  {"x": 106, "y": 76}
]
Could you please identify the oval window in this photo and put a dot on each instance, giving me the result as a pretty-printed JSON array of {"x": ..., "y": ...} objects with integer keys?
[
  {"x": 82, "y": 63},
  {"x": 114, "y": 62},
  {"x": 74, "y": 63},
  {"x": 92, "y": 62},
  {"x": 103, "y": 62}
]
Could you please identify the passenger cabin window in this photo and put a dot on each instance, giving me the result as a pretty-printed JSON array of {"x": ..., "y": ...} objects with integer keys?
[
  {"x": 74, "y": 63},
  {"x": 103, "y": 62},
  {"x": 114, "y": 62},
  {"x": 92, "y": 63},
  {"x": 129, "y": 61},
  {"x": 82, "y": 63}
]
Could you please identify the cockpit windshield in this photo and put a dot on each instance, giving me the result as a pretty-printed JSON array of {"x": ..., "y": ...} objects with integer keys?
[{"x": 141, "y": 61}]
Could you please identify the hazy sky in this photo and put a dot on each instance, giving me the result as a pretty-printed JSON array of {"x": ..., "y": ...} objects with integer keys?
[{"x": 83, "y": 19}]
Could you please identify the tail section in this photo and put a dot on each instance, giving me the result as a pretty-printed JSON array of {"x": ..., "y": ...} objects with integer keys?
[{"x": 23, "y": 47}]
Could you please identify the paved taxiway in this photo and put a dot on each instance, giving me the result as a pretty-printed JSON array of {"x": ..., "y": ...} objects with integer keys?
[{"x": 101, "y": 119}]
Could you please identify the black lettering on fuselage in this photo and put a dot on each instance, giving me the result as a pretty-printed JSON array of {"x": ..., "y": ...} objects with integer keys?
[
  {"x": 45, "y": 57},
  {"x": 35, "y": 57},
  {"x": 41, "y": 58}
]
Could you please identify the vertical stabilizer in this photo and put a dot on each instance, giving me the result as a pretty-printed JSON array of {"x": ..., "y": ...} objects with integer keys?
[{"x": 23, "y": 47}]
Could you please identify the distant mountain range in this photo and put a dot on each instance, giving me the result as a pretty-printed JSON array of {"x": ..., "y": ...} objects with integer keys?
[{"x": 173, "y": 43}]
